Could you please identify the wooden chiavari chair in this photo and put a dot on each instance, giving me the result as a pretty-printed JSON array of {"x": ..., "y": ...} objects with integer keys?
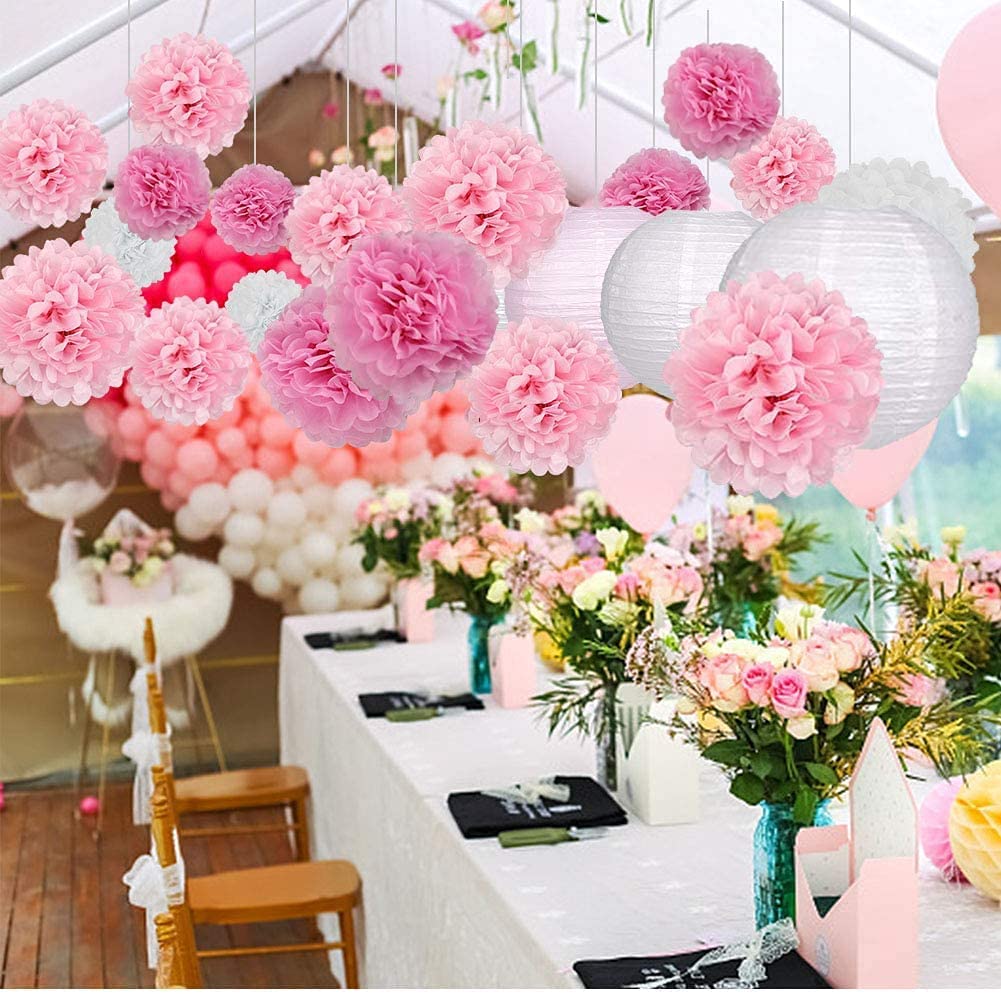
[{"x": 172, "y": 968}]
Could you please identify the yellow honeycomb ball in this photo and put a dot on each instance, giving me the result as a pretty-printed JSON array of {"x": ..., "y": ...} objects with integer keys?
[
  {"x": 546, "y": 650},
  {"x": 975, "y": 829}
]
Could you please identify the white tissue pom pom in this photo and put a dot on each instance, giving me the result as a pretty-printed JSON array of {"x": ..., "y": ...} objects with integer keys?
[
  {"x": 286, "y": 510},
  {"x": 361, "y": 592},
  {"x": 257, "y": 301},
  {"x": 250, "y": 490},
  {"x": 319, "y": 597},
  {"x": 243, "y": 529},
  {"x": 318, "y": 500},
  {"x": 349, "y": 560},
  {"x": 303, "y": 476},
  {"x": 267, "y": 583},
  {"x": 292, "y": 567},
  {"x": 448, "y": 467},
  {"x": 209, "y": 502},
  {"x": 350, "y": 494},
  {"x": 146, "y": 260},
  {"x": 278, "y": 537},
  {"x": 910, "y": 187},
  {"x": 190, "y": 526},
  {"x": 237, "y": 561},
  {"x": 418, "y": 468},
  {"x": 318, "y": 549}
]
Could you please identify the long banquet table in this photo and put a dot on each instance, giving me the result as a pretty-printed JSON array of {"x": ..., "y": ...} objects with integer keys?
[{"x": 441, "y": 911}]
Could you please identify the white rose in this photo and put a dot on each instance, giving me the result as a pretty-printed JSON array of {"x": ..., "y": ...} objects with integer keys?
[
  {"x": 795, "y": 619},
  {"x": 590, "y": 592},
  {"x": 591, "y": 500},
  {"x": 530, "y": 521},
  {"x": 396, "y": 499}
]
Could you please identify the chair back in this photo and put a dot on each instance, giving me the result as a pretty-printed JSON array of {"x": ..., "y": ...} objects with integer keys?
[{"x": 170, "y": 958}]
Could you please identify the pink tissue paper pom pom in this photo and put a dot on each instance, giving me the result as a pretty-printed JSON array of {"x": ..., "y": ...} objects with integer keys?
[
  {"x": 933, "y": 825},
  {"x": 161, "y": 191},
  {"x": 495, "y": 187},
  {"x": 543, "y": 397},
  {"x": 68, "y": 317},
  {"x": 300, "y": 373},
  {"x": 336, "y": 208},
  {"x": 189, "y": 91},
  {"x": 773, "y": 383},
  {"x": 786, "y": 167},
  {"x": 53, "y": 161},
  {"x": 190, "y": 362},
  {"x": 657, "y": 180},
  {"x": 250, "y": 208},
  {"x": 411, "y": 313},
  {"x": 718, "y": 98}
]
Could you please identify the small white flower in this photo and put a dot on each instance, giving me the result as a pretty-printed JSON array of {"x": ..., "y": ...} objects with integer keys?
[
  {"x": 396, "y": 499},
  {"x": 613, "y": 541},
  {"x": 590, "y": 592},
  {"x": 795, "y": 619},
  {"x": 591, "y": 500},
  {"x": 738, "y": 505},
  {"x": 530, "y": 521},
  {"x": 953, "y": 535}
]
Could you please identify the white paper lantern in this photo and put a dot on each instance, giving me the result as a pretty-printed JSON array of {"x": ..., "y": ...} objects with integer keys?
[
  {"x": 658, "y": 275},
  {"x": 900, "y": 275},
  {"x": 566, "y": 283}
]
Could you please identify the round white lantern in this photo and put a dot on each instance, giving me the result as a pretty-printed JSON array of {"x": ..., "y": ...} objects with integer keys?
[
  {"x": 903, "y": 278},
  {"x": 566, "y": 282},
  {"x": 657, "y": 276}
]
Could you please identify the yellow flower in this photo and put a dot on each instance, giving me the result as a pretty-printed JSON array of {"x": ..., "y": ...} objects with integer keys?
[
  {"x": 766, "y": 512},
  {"x": 590, "y": 592}
]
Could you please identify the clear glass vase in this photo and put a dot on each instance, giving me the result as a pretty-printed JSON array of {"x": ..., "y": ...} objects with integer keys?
[
  {"x": 478, "y": 640},
  {"x": 774, "y": 861},
  {"x": 608, "y": 739}
]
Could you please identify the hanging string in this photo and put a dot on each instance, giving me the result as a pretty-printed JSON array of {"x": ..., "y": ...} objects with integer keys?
[
  {"x": 521, "y": 68},
  {"x": 255, "y": 81},
  {"x": 782, "y": 59},
  {"x": 710, "y": 536},
  {"x": 128, "y": 73},
  {"x": 205, "y": 17},
  {"x": 850, "y": 32},
  {"x": 396, "y": 94},
  {"x": 653, "y": 76},
  {"x": 347, "y": 79},
  {"x": 707, "y": 42},
  {"x": 595, "y": 34},
  {"x": 873, "y": 551}
]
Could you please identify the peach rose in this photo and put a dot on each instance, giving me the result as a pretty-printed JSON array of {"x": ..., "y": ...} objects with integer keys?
[
  {"x": 919, "y": 691},
  {"x": 474, "y": 560},
  {"x": 760, "y": 539},
  {"x": 850, "y": 646},
  {"x": 721, "y": 676},
  {"x": 815, "y": 659},
  {"x": 942, "y": 574}
]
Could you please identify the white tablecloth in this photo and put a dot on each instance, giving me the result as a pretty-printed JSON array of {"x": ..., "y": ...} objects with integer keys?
[{"x": 441, "y": 911}]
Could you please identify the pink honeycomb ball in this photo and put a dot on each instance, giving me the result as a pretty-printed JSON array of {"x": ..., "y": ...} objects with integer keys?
[{"x": 933, "y": 827}]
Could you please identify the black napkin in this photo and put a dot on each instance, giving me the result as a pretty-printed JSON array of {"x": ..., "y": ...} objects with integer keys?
[
  {"x": 482, "y": 817},
  {"x": 376, "y": 705},
  {"x": 787, "y": 972},
  {"x": 357, "y": 637}
]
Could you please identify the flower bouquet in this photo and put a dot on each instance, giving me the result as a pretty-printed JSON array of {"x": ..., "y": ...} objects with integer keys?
[
  {"x": 133, "y": 564},
  {"x": 786, "y": 717},
  {"x": 581, "y": 521}
]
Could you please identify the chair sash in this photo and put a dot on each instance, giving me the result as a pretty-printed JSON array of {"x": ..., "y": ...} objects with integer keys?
[
  {"x": 155, "y": 889},
  {"x": 146, "y": 749}
]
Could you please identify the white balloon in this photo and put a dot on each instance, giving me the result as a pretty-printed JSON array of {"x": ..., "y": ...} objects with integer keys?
[
  {"x": 265, "y": 555},
  {"x": 362, "y": 592},
  {"x": 210, "y": 502},
  {"x": 319, "y": 597},
  {"x": 190, "y": 526},
  {"x": 350, "y": 494},
  {"x": 319, "y": 500},
  {"x": 267, "y": 583},
  {"x": 447, "y": 468},
  {"x": 418, "y": 468},
  {"x": 237, "y": 561},
  {"x": 250, "y": 490},
  {"x": 286, "y": 510},
  {"x": 658, "y": 275},
  {"x": 338, "y": 526},
  {"x": 243, "y": 529},
  {"x": 292, "y": 567},
  {"x": 303, "y": 476},
  {"x": 318, "y": 549},
  {"x": 278, "y": 537},
  {"x": 349, "y": 560}
]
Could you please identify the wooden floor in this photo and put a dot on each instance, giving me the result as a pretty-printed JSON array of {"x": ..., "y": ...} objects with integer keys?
[{"x": 64, "y": 917}]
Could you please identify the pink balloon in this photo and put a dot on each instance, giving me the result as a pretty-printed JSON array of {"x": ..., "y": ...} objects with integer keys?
[
  {"x": 276, "y": 431},
  {"x": 226, "y": 275},
  {"x": 339, "y": 466},
  {"x": 380, "y": 470},
  {"x": 456, "y": 435},
  {"x": 153, "y": 476},
  {"x": 181, "y": 485},
  {"x": 186, "y": 281},
  {"x": 307, "y": 451},
  {"x": 215, "y": 251},
  {"x": 969, "y": 104},
  {"x": 160, "y": 449},
  {"x": 410, "y": 443},
  {"x": 197, "y": 459},
  {"x": 275, "y": 462},
  {"x": 231, "y": 441},
  {"x": 133, "y": 425},
  {"x": 641, "y": 467},
  {"x": 191, "y": 245}
]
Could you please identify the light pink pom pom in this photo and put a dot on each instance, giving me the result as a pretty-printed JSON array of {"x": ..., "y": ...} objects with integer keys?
[
  {"x": 786, "y": 167},
  {"x": 189, "y": 91},
  {"x": 161, "y": 191},
  {"x": 337, "y": 207},
  {"x": 718, "y": 98},
  {"x": 409, "y": 314},
  {"x": 250, "y": 208},
  {"x": 657, "y": 180},
  {"x": 68, "y": 316},
  {"x": 774, "y": 381},
  {"x": 933, "y": 825},
  {"x": 495, "y": 187},
  {"x": 53, "y": 161},
  {"x": 302, "y": 377},
  {"x": 544, "y": 395},
  {"x": 190, "y": 362}
]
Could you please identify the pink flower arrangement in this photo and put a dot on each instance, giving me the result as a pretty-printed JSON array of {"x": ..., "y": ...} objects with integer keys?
[
  {"x": 411, "y": 313},
  {"x": 942, "y": 575},
  {"x": 774, "y": 381},
  {"x": 190, "y": 362},
  {"x": 468, "y": 33},
  {"x": 302, "y": 377},
  {"x": 987, "y": 599},
  {"x": 668, "y": 585},
  {"x": 657, "y": 180},
  {"x": 250, "y": 208},
  {"x": 189, "y": 91},
  {"x": 161, "y": 191},
  {"x": 68, "y": 317},
  {"x": 545, "y": 395},
  {"x": 53, "y": 161},
  {"x": 788, "y": 166},
  {"x": 718, "y": 98},
  {"x": 495, "y": 187},
  {"x": 334, "y": 210}
]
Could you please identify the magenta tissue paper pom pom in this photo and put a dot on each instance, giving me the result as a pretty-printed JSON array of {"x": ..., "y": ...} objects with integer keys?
[
  {"x": 657, "y": 180},
  {"x": 718, "y": 98},
  {"x": 305, "y": 382},
  {"x": 68, "y": 317},
  {"x": 933, "y": 825},
  {"x": 495, "y": 187},
  {"x": 250, "y": 208},
  {"x": 543, "y": 397},
  {"x": 773, "y": 382},
  {"x": 190, "y": 362},
  {"x": 162, "y": 191},
  {"x": 411, "y": 313},
  {"x": 53, "y": 161},
  {"x": 337, "y": 207},
  {"x": 786, "y": 167},
  {"x": 189, "y": 91}
]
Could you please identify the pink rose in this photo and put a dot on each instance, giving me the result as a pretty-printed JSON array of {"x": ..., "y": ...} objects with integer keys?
[
  {"x": 814, "y": 658},
  {"x": 372, "y": 96},
  {"x": 721, "y": 676},
  {"x": 942, "y": 575},
  {"x": 119, "y": 562},
  {"x": 468, "y": 34},
  {"x": 919, "y": 691},
  {"x": 788, "y": 693},
  {"x": 474, "y": 560},
  {"x": 627, "y": 586},
  {"x": 757, "y": 682},
  {"x": 760, "y": 539},
  {"x": 987, "y": 599}
]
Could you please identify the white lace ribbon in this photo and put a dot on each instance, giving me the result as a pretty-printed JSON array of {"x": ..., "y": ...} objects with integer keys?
[
  {"x": 145, "y": 749},
  {"x": 148, "y": 890},
  {"x": 769, "y": 944},
  {"x": 531, "y": 791}
]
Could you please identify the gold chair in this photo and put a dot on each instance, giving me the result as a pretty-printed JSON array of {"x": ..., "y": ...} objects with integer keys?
[{"x": 172, "y": 967}]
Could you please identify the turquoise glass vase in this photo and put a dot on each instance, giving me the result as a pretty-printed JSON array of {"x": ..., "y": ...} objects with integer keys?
[
  {"x": 774, "y": 861},
  {"x": 478, "y": 640}
]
